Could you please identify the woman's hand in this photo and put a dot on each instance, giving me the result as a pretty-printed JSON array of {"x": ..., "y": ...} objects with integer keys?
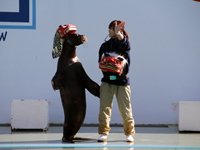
[{"x": 119, "y": 26}]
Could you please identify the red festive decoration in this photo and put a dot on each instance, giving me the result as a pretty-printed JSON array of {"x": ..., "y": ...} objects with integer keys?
[
  {"x": 111, "y": 64},
  {"x": 66, "y": 29}
]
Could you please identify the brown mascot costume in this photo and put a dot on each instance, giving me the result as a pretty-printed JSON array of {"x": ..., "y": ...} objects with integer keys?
[{"x": 71, "y": 79}]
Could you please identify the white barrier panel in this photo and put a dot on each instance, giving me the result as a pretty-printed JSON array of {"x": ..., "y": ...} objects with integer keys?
[
  {"x": 29, "y": 114},
  {"x": 189, "y": 116}
]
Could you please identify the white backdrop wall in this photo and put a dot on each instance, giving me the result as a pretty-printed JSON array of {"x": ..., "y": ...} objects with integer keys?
[{"x": 165, "y": 56}]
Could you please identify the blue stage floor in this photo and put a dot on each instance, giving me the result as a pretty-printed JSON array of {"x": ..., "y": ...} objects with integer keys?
[{"x": 147, "y": 138}]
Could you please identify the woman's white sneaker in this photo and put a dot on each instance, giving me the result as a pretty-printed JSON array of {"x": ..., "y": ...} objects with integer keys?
[
  {"x": 102, "y": 138},
  {"x": 129, "y": 139}
]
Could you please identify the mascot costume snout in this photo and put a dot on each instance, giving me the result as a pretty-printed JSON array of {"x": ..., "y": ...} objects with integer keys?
[{"x": 71, "y": 79}]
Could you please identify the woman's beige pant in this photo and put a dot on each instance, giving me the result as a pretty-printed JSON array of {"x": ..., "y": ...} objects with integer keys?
[{"x": 122, "y": 94}]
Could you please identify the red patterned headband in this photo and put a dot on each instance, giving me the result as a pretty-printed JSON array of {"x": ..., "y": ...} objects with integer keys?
[{"x": 66, "y": 29}]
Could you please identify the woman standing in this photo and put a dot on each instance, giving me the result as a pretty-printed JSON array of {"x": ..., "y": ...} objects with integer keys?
[{"x": 115, "y": 83}]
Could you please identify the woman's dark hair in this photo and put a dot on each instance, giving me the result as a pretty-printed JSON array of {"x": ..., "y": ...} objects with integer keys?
[{"x": 112, "y": 26}]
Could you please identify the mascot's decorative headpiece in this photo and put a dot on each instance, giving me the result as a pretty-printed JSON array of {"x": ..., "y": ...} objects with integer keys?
[{"x": 59, "y": 38}]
